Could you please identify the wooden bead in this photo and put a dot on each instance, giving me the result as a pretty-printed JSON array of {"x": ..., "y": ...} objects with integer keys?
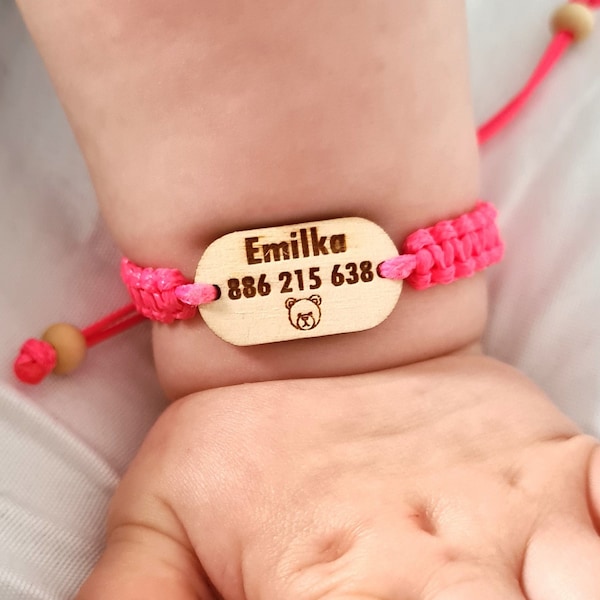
[
  {"x": 574, "y": 18},
  {"x": 70, "y": 346}
]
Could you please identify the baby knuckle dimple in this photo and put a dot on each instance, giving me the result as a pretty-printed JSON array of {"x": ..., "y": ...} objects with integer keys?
[
  {"x": 320, "y": 564},
  {"x": 424, "y": 518},
  {"x": 364, "y": 561},
  {"x": 322, "y": 553},
  {"x": 512, "y": 475}
]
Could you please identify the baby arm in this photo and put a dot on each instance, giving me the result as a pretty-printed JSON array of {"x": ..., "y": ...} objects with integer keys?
[
  {"x": 197, "y": 119},
  {"x": 415, "y": 468}
]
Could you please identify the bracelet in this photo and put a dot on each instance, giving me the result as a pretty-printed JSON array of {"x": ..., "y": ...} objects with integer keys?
[{"x": 257, "y": 290}]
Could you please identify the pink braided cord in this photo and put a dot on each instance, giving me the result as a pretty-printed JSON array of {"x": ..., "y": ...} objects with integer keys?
[
  {"x": 449, "y": 250},
  {"x": 164, "y": 295}
]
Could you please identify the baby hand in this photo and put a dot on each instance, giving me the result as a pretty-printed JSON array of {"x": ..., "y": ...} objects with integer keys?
[{"x": 451, "y": 479}]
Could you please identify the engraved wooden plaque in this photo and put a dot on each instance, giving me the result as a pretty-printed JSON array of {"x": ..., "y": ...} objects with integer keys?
[{"x": 298, "y": 281}]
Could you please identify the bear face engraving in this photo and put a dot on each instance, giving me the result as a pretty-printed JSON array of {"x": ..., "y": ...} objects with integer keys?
[{"x": 305, "y": 313}]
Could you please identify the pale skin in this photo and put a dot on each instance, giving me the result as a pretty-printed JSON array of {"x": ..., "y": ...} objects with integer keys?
[{"x": 393, "y": 464}]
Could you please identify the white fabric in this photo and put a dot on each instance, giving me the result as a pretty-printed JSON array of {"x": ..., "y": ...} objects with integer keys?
[
  {"x": 543, "y": 175},
  {"x": 64, "y": 444}
]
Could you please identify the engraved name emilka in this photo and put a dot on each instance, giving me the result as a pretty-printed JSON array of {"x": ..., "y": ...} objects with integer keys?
[{"x": 302, "y": 244}]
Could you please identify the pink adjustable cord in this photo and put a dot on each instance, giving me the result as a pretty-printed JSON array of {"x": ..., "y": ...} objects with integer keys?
[
  {"x": 555, "y": 50},
  {"x": 440, "y": 254},
  {"x": 164, "y": 295}
]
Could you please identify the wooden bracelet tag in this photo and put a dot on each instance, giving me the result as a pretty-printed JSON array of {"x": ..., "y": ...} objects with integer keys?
[{"x": 298, "y": 281}]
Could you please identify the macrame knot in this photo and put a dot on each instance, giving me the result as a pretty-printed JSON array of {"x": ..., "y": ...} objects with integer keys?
[
  {"x": 447, "y": 251},
  {"x": 164, "y": 295},
  {"x": 36, "y": 359}
]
